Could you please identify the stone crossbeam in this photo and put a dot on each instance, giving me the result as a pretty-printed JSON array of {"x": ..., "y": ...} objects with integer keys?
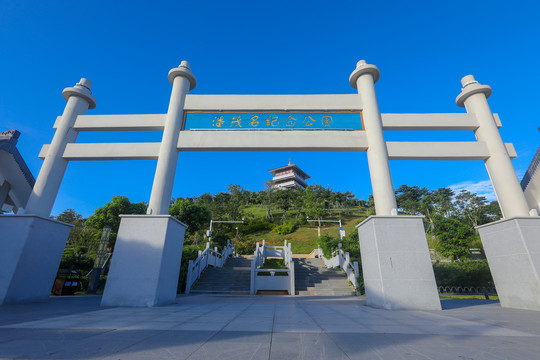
[
  {"x": 279, "y": 141},
  {"x": 151, "y": 122}
]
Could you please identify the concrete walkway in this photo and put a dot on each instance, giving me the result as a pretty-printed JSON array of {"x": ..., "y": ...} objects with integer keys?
[{"x": 266, "y": 327}]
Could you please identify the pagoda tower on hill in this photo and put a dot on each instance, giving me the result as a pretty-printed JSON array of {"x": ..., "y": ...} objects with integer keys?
[{"x": 289, "y": 177}]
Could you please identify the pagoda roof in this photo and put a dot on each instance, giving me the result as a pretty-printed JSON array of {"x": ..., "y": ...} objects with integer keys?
[{"x": 290, "y": 166}]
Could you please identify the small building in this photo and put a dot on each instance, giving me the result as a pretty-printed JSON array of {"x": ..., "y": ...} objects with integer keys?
[
  {"x": 531, "y": 183},
  {"x": 16, "y": 180},
  {"x": 289, "y": 177}
]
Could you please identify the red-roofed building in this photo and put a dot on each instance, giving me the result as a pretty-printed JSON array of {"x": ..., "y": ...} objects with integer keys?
[{"x": 289, "y": 177}]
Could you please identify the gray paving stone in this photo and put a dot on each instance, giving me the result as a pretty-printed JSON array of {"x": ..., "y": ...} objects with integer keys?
[
  {"x": 305, "y": 346},
  {"x": 242, "y": 337},
  {"x": 213, "y": 351},
  {"x": 266, "y": 327},
  {"x": 165, "y": 345}
]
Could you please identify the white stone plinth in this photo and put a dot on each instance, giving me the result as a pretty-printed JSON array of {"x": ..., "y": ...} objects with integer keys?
[
  {"x": 512, "y": 248},
  {"x": 397, "y": 268},
  {"x": 146, "y": 261},
  {"x": 31, "y": 248}
]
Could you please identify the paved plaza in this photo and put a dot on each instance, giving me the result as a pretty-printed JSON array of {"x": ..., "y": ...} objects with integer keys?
[{"x": 266, "y": 327}]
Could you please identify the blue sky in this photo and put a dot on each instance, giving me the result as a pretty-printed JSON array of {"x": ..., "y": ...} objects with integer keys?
[{"x": 422, "y": 48}]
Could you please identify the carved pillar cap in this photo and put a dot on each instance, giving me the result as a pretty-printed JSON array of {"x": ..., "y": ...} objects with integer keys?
[
  {"x": 362, "y": 68},
  {"x": 185, "y": 71},
  {"x": 82, "y": 90},
  {"x": 471, "y": 87}
]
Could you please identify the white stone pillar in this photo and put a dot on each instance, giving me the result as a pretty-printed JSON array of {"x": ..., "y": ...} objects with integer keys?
[
  {"x": 182, "y": 80},
  {"x": 79, "y": 100},
  {"x": 363, "y": 79},
  {"x": 499, "y": 166}
]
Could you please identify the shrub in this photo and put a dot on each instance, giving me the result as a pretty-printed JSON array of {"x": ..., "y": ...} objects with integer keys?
[
  {"x": 245, "y": 247},
  {"x": 328, "y": 244},
  {"x": 453, "y": 237},
  {"x": 285, "y": 228},
  {"x": 189, "y": 252},
  {"x": 463, "y": 273},
  {"x": 260, "y": 225}
]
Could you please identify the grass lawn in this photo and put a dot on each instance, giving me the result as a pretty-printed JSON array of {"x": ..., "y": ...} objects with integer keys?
[{"x": 304, "y": 239}]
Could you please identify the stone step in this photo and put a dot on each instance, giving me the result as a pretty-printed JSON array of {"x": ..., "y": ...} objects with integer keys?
[
  {"x": 225, "y": 279},
  {"x": 223, "y": 283},
  {"x": 325, "y": 293},
  {"x": 221, "y": 290},
  {"x": 312, "y": 279},
  {"x": 336, "y": 287},
  {"x": 320, "y": 278},
  {"x": 210, "y": 291},
  {"x": 325, "y": 285},
  {"x": 233, "y": 278}
]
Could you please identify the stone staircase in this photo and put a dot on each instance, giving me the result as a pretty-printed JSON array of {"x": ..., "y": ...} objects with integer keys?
[
  {"x": 312, "y": 278},
  {"x": 233, "y": 278}
]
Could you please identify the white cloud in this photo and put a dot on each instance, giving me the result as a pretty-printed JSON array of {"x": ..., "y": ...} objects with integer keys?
[{"x": 482, "y": 188}]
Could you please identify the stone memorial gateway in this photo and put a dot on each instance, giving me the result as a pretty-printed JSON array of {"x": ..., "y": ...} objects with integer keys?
[{"x": 395, "y": 257}]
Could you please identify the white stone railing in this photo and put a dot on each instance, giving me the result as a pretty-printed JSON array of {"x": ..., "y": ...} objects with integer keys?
[
  {"x": 272, "y": 282},
  {"x": 206, "y": 257},
  {"x": 343, "y": 260}
]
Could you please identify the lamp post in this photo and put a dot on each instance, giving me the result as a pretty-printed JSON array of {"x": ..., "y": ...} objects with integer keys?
[
  {"x": 209, "y": 232},
  {"x": 341, "y": 232}
]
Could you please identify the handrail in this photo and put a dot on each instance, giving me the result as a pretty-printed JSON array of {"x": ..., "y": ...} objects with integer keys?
[
  {"x": 262, "y": 251},
  {"x": 343, "y": 260},
  {"x": 206, "y": 257}
]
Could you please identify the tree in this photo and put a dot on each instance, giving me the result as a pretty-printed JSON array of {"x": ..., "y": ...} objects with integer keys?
[
  {"x": 298, "y": 203},
  {"x": 109, "y": 215},
  {"x": 409, "y": 198},
  {"x": 471, "y": 207},
  {"x": 267, "y": 196},
  {"x": 195, "y": 215},
  {"x": 315, "y": 204},
  {"x": 82, "y": 238},
  {"x": 226, "y": 206},
  {"x": 434, "y": 204},
  {"x": 70, "y": 216},
  {"x": 82, "y": 242},
  {"x": 368, "y": 207},
  {"x": 493, "y": 212},
  {"x": 454, "y": 237},
  {"x": 284, "y": 200},
  {"x": 237, "y": 194}
]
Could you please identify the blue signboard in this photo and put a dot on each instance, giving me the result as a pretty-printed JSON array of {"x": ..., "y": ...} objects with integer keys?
[{"x": 272, "y": 120}]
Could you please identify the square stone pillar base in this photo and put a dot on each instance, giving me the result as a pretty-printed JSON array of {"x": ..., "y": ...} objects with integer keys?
[
  {"x": 512, "y": 248},
  {"x": 397, "y": 269},
  {"x": 31, "y": 248},
  {"x": 146, "y": 261}
]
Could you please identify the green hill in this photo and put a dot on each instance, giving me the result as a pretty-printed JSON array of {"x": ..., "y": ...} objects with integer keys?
[{"x": 304, "y": 239}]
